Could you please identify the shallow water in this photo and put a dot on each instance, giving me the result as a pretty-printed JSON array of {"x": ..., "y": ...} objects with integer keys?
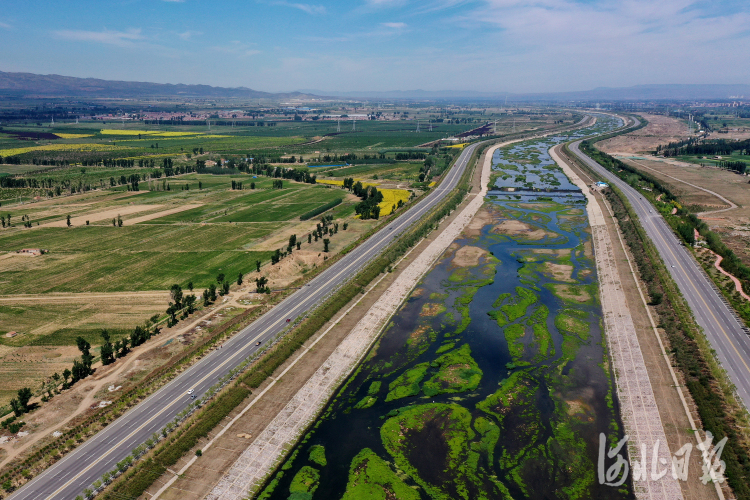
[{"x": 491, "y": 380}]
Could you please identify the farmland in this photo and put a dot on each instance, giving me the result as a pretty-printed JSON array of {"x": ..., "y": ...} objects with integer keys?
[{"x": 125, "y": 210}]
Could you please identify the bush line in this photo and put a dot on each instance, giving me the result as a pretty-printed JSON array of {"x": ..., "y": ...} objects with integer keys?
[{"x": 323, "y": 208}]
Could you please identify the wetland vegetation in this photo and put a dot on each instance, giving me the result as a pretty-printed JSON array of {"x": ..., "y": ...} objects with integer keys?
[{"x": 501, "y": 393}]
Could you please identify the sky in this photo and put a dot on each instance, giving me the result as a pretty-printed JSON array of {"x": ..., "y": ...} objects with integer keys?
[{"x": 379, "y": 45}]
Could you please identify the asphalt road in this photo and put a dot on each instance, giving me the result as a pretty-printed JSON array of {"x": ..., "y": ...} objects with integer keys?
[
  {"x": 724, "y": 330},
  {"x": 80, "y": 468}
]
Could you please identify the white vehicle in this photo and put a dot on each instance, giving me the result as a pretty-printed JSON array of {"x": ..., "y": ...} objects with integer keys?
[{"x": 190, "y": 391}]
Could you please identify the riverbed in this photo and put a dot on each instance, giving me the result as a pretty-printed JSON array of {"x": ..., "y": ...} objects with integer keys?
[{"x": 492, "y": 379}]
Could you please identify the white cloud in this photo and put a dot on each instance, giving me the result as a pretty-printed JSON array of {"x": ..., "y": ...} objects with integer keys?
[
  {"x": 118, "y": 38},
  {"x": 237, "y": 48},
  {"x": 568, "y": 44},
  {"x": 396, "y": 26},
  {"x": 385, "y": 3},
  {"x": 304, "y": 7},
  {"x": 174, "y": 1},
  {"x": 5, "y": 25},
  {"x": 187, "y": 35}
]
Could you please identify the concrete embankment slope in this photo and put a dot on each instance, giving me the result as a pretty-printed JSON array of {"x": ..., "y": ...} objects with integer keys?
[{"x": 638, "y": 409}]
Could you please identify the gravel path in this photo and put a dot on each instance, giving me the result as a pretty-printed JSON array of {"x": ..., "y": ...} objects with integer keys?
[{"x": 638, "y": 409}]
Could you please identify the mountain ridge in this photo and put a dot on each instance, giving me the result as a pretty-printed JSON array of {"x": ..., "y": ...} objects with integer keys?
[{"x": 32, "y": 84}]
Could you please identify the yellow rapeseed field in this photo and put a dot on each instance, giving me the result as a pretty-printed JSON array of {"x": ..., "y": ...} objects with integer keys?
[
  {"x": 160, "y": 133},
  {"x": 391, "y": 197},
  {"x": 463, "y": 145},
  {"x": 61, "y": 147},
  {"x": 72, "y": 136},
  {"x": 331, "y": 182}
]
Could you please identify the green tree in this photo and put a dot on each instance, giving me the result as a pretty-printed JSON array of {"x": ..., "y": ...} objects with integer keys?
[
  {"x": 176, "y": 293},
  {"x": 220, "y": 278},
  {"x": 16, "y": 406},
  {"x": 239, "y": 278},
  {"x": 119, "y": 221},
  {"x": 190, "y": 285},
  {"x": 190, "y": 304},
  {"x": 326, "y": 241},
  {"x": 68, "y": 220},
  {"x": 257, "y": 265},
  {"x": 124, "y": 350},
  {"x": 260, "y": 284},
  {"x": 107, "y": 353},
  {"x": 86, "y": 359},
  {"x": 24, "y": 395}
]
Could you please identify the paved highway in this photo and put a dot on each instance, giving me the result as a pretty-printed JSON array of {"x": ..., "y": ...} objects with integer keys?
[
  {"x": 726, "y": 333},
  {"x": 79, "y": 469}
]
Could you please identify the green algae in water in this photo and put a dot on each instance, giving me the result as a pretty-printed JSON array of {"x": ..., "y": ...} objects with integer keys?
[
  {"x": 408, "y": 383},
  {"x": 371, "y": 397},
  {"x": 513, "y": 334},
  {"x": 445, "y": 347},
  {"x": 458, "y": 373},
  {"x": 371, "y": 478},
  {"x": 569, "y": 322},
  {"x": 304, "y": 483},
  {"x": 318, "y": 455},
  {"x": 523, "y": 429},
  {"x": 440, "y": 433}
]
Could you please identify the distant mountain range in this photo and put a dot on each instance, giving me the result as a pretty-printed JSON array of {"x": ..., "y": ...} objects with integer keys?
[
  {"x": 679, "y": 92},
  {"x": 30, "y": 84}
]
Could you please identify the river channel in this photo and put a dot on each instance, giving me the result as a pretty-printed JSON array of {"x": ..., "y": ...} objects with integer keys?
[{"x": 492, "y": 380}]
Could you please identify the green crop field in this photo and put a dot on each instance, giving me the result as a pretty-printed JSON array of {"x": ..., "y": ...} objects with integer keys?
[{"x": 181, "y": 223}]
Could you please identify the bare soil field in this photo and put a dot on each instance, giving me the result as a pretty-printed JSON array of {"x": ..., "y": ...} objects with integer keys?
[
  {"x": 660, "y": 130},
  {"x": 733, "y": 225},
  {"x": 80, "y": 220}
]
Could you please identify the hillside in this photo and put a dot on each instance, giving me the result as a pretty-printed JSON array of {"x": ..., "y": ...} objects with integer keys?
[{"x": 25, "y": 84}]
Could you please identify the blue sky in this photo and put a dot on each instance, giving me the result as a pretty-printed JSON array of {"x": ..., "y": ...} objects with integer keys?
[{"x": 283, "y": 45}]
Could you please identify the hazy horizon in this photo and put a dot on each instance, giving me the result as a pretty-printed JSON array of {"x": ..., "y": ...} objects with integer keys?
[{"x": 384, "y": 45}]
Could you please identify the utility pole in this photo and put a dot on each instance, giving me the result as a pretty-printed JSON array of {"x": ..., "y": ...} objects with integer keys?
[
  {"x": 338, "y": 125},
  {"x": 354, "y": 125},
  {"x": 417, "y": 126}
]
